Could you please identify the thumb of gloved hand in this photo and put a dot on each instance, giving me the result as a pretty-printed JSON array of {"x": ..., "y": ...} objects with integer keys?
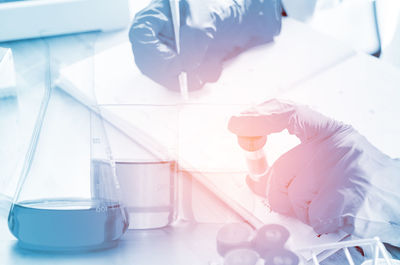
[
  {"x": 299, "y": 120},
  {"x": 275, "y": 115}
]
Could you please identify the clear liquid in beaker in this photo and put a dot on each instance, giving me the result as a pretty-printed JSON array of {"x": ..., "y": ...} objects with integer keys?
[
  {"x": 67, "y": 224},
  {"x": 148, "y": 191}
]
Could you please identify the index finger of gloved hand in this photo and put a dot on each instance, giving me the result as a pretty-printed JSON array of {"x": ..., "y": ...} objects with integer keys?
[
  {"x": 281, "y": 175},
  {"x": 158, "y": 16},
  {"x": 269, "y": 117},
  {"x": 153, "y": 43},
  {"x": 276, "y": 115},
  {"x": 302, "y": 191},
  {"x": 278, "y": 197}
]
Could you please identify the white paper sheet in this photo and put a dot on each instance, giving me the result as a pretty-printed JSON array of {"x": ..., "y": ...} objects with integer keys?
[{"x": 256, "y": 75}]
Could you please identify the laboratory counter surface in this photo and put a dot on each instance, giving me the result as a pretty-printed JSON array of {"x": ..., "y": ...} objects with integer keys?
[{"x": 180, "y": 244}]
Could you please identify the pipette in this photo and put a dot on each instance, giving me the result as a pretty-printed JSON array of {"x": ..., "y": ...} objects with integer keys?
[{"x": 182, "y": 77}]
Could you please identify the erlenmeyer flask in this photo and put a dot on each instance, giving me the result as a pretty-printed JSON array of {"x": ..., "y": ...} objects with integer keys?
[
  {"x": 9, "y": 144},
  {"x": 58, "y": 206}
]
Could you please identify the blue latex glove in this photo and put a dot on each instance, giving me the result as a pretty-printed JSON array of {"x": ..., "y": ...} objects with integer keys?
[
  {"x": 211, "y": 32},
  {"x": 334, "y": 179}
]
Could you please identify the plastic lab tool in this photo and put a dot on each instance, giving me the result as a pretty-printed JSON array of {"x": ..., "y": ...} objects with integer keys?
[
  {"x": 234, "y": 236},
  {"x": 269, "y": 238},
  {"x": 239, "y": 244},
  {"x": 56, "y": 206},
  {"x": 281, "y": 257},
  {"x": 148, "y": 191},
  {"x": 241, "y": 257},
  {"x": 182, "y": 77}
]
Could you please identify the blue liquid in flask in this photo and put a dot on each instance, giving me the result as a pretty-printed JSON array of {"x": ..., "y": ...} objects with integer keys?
[{"x": 67, "y": 224}]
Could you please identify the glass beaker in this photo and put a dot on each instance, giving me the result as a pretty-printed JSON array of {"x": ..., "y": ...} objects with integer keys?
[
  {"x": 146, "y": 168},
  {"x": 56, "y": 207},
  {"x": 148, "y": 191}
]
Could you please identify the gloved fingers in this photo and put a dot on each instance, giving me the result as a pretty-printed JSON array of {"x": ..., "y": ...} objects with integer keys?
[
  {"x": 318, "y": 169},
  {"x": 201, "y": 66},
  {"x": 290, "y": 165},
  {"x": 279, "y": 201},
  {"x": 302, "y": 191},
  {"x": 299, "y": 120},
  {"x": 210, "y": 70},
  {"x": 326, "y": 211},
  {"x": 276, "y": 115},
  {"x": 258, "y": 186},
  {"x": 281, "y": 175},
  {"x": 194, "y": 43},
  {"x": 344, "y": 188},
  {"x": 153, "y": 44},
  {"x": 157, "y": 61},
  {"x": 219, "y": 26},
  {"x": 265, "y": 19},
  {"x": 157, "y": 15},
  {"x": 270, "y": 117},
  {"x": 194, "y": 81}
]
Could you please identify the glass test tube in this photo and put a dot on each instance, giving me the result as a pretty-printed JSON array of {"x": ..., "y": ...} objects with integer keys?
[
  {"x": 256, "y": 163},
  {"x": 255, "y": 156}
]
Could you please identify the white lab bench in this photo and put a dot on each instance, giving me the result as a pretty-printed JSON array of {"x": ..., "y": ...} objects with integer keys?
[
  {"x": 301, "y": 64},
  {"x": 362, "y": 91},
  {"x": 181, "y": 244}
]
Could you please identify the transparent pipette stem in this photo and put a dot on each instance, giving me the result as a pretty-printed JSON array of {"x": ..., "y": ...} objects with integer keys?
[{"x": 256, "y": 163}]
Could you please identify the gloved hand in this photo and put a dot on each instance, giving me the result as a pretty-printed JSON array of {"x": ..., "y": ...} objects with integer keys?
[
  {"x": 211, "y": 31},
  {"x": 334, "y": 179}
]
